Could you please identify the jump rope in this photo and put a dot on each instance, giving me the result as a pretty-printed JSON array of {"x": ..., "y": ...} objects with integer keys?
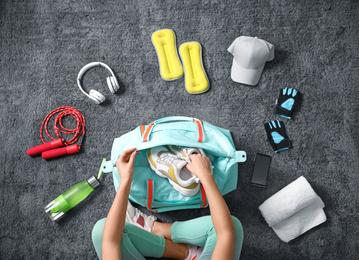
[
  {"x": 51, "y": 149},
  {"x": 78, "y": 132}
]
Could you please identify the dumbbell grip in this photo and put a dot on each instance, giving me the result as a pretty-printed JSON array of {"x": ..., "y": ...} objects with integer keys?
[{"x": 46, "y": 146}]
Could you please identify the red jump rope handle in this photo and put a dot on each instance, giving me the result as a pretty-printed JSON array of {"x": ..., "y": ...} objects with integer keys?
[
  {"x": 61, "y": 151},
  {"x": 46, "y": 146}
]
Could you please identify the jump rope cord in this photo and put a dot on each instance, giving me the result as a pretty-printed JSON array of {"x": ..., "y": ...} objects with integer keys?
[{"x": 78, "y": 132}]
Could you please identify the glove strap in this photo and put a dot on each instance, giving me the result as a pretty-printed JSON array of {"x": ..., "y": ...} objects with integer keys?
[
  {"x": 284, "y": 145},
  {"x": 280, "y": 111}
]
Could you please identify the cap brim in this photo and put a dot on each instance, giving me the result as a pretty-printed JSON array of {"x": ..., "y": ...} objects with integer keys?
[{"x": 245, "y": 76}]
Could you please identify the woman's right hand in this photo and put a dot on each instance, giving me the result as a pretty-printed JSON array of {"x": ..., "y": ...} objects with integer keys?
[
  {"x": 125, "y": 164},
  {"x": 200, "y": 166}
]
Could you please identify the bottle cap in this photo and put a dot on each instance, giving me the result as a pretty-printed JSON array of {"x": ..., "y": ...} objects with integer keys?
[{"x": 93, "y": 182}]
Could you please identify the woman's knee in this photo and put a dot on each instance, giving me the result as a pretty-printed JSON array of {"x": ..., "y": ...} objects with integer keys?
[{"x": 97, "y": 231}]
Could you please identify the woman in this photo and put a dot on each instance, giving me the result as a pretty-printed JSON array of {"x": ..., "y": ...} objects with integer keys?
[{"x": 218, "y": 236}]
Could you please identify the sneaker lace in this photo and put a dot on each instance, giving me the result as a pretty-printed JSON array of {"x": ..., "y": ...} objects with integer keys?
[
  {"x": 184, "y": 149},
  {"x": 168, "y": 157}
]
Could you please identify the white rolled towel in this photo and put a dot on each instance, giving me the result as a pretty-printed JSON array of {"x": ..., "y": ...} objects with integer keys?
[{"x": 293, "y": 210}]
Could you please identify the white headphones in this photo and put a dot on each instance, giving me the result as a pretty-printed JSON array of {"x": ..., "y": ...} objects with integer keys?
[{"x": 112, "y": 82}]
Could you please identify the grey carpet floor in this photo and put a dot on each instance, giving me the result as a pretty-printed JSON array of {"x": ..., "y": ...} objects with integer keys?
[{"x": 44, "y": 44}]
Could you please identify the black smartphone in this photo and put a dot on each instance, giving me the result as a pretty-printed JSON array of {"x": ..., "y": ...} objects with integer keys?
[{"x": 261, "y": 170}]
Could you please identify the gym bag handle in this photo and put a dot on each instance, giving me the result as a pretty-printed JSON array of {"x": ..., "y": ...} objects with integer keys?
[{"x": 145, "y": 133}]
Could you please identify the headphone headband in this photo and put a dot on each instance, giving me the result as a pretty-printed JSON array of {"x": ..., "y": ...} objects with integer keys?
[{"x": 91, "y": 65}]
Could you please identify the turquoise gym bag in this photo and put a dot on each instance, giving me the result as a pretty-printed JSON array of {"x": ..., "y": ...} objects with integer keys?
[{"x": 156, "y": 193}]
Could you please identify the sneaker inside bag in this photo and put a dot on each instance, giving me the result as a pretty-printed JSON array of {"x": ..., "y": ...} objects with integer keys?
[{"x": 185, "y": 174}]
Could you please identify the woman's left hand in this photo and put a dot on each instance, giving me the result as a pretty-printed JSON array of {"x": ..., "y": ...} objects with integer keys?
[{"x": 125, "y": 164}]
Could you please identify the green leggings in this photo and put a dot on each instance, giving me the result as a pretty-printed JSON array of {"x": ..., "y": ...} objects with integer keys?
[{"x": 137, "y": 243}]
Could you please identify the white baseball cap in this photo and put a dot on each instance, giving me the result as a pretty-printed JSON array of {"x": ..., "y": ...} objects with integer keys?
[{"x": 250, "y": 55}]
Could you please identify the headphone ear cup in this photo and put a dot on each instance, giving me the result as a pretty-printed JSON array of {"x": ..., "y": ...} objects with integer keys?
[
  {"x": 112, "y": 84},
  {"x": 96, "y": 96}
]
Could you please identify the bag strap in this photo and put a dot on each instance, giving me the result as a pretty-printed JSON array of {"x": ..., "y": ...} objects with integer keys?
[
  {"x": 204, "y": 197},
  {"x": 173, "y": 119},
  {"x": 149, "y": 199},
  {"x": 145, "y": 133},
  {"x": 142, "y": 129},
  {"x": 200, "y": 129}
]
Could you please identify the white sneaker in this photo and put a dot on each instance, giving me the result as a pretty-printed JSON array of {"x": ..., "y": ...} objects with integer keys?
[
  {"x": 168, "y": 165},
  {"x": 136, "y": 217},
  {"x": 185, "y": 152},
  {"x": 194, "y": 252}
]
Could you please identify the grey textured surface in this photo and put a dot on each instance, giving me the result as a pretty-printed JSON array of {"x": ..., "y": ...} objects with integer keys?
[{"x": 45, "y": 43}]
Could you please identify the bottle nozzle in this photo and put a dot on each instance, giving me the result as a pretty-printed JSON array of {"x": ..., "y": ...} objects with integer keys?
[{"x": 93, "y": 182}]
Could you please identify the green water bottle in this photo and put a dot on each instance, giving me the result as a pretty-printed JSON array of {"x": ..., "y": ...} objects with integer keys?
[{"x": 70, "y": 198}]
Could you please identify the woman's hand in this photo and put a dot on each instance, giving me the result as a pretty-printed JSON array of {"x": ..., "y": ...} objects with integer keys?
[
  {"x": 200, "y": 166},
  {"x": 125, "y": 164}
]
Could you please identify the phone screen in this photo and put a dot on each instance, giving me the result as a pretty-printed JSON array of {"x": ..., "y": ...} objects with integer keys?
[{"x": 261, "y": 170}]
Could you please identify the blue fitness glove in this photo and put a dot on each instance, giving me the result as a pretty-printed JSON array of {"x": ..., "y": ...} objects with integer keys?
[
  {"x": 288, "y": 100},
  {"x": 277, "y": 136}
]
